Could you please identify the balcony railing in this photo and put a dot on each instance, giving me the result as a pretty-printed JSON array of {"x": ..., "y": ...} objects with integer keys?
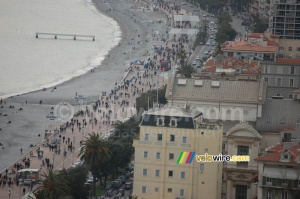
[
  {"x": 172, "y": 144},
  {"x": 186, "y": 145}
]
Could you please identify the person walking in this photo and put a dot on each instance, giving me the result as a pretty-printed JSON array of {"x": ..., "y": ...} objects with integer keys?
[
  {"x": 21, "y": 150},
  {"x": 24, "y": 190}
]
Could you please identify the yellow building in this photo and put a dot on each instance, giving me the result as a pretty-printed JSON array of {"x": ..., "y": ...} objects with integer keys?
[{"x": 165, "y": 163}]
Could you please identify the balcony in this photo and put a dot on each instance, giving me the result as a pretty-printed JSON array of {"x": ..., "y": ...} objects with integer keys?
[
  {"x": 201, "y": 125},
  {"x": 172, "y": 144},
  {"x": 135, "y": 142},
  {"x": 234, "y": 166},
  {"x": 186, "y": 145}
]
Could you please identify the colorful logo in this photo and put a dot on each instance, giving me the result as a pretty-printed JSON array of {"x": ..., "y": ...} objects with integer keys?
[{"x": 185, "y": 157}]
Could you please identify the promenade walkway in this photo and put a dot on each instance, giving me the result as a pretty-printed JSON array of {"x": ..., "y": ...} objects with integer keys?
[
  {"x": 120, "y": 111},
  {"x": 118, "y": 103}
]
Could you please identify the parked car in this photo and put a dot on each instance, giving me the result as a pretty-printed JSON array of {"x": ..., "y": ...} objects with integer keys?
[
  {"x": 116, "y": 184},
  {"x": 128, "y": 185},
  {"x": 122, "y": 179},
  {"x": 121, "y": 192},
  {"x": 197, "y": 58}
]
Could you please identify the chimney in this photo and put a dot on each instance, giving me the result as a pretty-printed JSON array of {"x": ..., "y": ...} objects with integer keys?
[{"x": 188, "y": 106}]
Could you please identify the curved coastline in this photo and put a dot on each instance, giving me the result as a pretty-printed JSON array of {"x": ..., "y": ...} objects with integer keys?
[{"x": 26, "y": 124}]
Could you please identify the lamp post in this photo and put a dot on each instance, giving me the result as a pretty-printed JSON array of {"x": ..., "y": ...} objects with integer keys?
[
  {"x": 64, "y": 157},
  {"x": 30, "y": 181},
  {"x": 53, "y": 160},
  {"x": 9, "y": 193},
  {"x": 20, "y": 183},
  {"x": 73, "y": 148}
]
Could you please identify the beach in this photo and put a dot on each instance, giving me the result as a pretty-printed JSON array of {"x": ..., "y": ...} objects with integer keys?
[{"x": 26, "y": 124}]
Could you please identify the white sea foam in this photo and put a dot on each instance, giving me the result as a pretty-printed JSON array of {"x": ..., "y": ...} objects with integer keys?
[{"x": 29, "y": 64}]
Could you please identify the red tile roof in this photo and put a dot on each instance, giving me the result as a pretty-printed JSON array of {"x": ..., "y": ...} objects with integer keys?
[
  {"x": 210, "y": 69},
  {"x": 233, "y": 63},
  {"x": 272, "y": 43},
  {"x": 246, "y": 46},
  {"x": 288, "y": 60},
  {"x": 276, "y": 152},
  {"x": 260, "y": 35}
]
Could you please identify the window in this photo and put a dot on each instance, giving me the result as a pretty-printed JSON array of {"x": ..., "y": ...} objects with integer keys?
[
  {"x": 170, "y": 174},
  {"x": 171, "y": 156},
  {"x": 278, "y": 83},
  {"x": 182, "y": 175},
  {"x": 298, "y": 49},
  {"x": 269, "y": 195},
  {"x": 172, "y": 138},
  {"x": 292, "y": 70},
  {"x": 184, "y": 139},
  {"x": 205, "y": 150},
  {"x": 181, "y": 192},
  {"x": 268, "y": 179},
  {"x": 173, "y": 122},
  {"x": 291, "y": 82},
  {"x": 156, "y": 189},
  {"x": 279, "y": 69},
  {"x": 159, "y": 137},
  {"x": 265, "y": 69},
  {"x": 157, "y": 172},
  {"x": 266, "y": 79},
  {"x": 242, "y": 150},
  {"x": 160, "y": 121},
  {"x": 290, "y": 48},
  {"x": 145, "y": 154},
  {"x": 241, "y": 192},
  {"x": 146, "y": 136},
  {"x": 144, "y": 189},
  {"x": 278, "y": 94},
  {"x": 290, "y": 96},
  {"x": 201, "y": 168},
  {"x": 145, "y": 172},
  {"x": 281, "y": 48},
  {"x": 158, "y": 155},
  {"x": 169, "y": 190},
  {"x": 284, "y": 195},
  {"x": 284, "y": 181}
]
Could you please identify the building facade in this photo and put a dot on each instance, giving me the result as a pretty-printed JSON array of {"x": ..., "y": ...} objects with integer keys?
[
  {"x": 239, "y": 177},
  {"x": 164, "y": 166},
  {"x": 279, "y": 172},
  {"x": 285, "y": 18},
  {"x": 282, "y": 77}
]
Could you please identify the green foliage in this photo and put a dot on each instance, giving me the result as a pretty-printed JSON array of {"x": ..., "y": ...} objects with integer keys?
[
  {"x": 95, "y": 153},
  {"x": 142, "y": 101},
  {"x": 258, "y": 24},
  {"x": 212, "y": 6},
  {"x": 52, "y": 185},
  {"x": 225, "y": 31},
  {"x": 186, "y": 70},
  {"x": 76, "y": 178}
]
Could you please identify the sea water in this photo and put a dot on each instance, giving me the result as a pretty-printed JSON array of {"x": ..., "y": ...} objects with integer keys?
[{"x": 28, "y": 63}]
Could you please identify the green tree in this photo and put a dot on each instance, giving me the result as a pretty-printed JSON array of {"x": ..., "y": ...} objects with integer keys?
[
  {"x": 258, "y": 24},
  {"x": 94, "y": 152},
  {"x": 225, "y": 30},
  {"x": 76, "y": 178},
  {"x": 142, "y": 101},
  {"x": 186, "y": 70},
  {"x": 52, "y": 185}
]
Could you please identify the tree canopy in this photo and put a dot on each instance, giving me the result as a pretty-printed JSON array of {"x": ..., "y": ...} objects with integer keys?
[{"x": 52, "y": 185}]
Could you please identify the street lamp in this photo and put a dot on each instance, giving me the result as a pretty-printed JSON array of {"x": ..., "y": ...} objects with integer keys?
[
  {"x": 73, "y": 148},
  {"x": 9, "y": 193},
  {"x": 53, "y": 160},
  {"x": 64, "y": 157},
  {"x": 20, "y": 183},
  {"x": 30, "y": 181}
]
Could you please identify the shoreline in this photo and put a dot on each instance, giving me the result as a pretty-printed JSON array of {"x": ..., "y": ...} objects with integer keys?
[{"x": 26, "y": 124}]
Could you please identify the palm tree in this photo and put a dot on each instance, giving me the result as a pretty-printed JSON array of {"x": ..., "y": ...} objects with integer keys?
[
  {"x": 52, "y": 186},
  {"x": 95, "y": 153}
]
